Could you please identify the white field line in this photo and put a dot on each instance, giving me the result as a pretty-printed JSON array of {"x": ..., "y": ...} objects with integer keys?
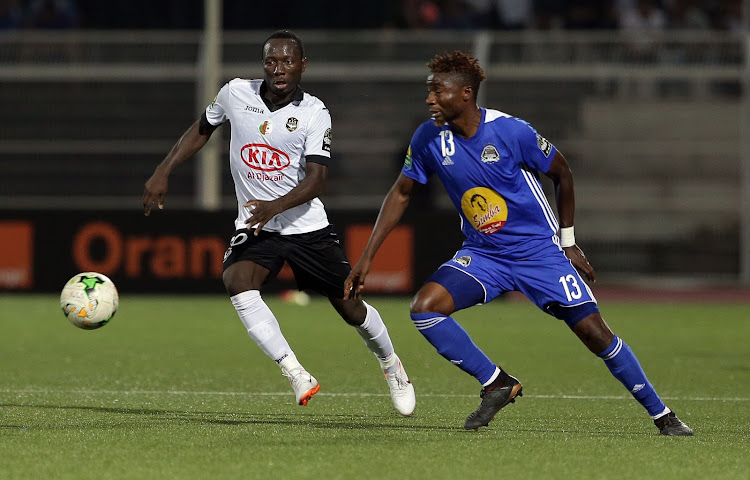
[{"x": 328, "y": 394}]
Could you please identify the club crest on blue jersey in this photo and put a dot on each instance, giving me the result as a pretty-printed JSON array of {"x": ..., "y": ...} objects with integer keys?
[
  {"x": 485, "y": 209},
  {"x": 490, "y": 154},
  {"x": 464, "y": 261}
]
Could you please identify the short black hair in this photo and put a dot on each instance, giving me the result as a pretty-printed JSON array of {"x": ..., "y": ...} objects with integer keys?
[
  {"x": 476, "y": 196},
  {"x": 286, "y": 34},
  {"x": 461, "y": 64}
]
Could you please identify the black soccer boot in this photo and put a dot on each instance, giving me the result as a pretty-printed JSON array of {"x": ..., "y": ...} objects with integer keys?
[
  {"x": 669, "y": 424},
  {"x": 495, "y": 396}
]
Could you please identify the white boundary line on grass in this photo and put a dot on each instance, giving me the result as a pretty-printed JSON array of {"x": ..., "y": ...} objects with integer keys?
[{"x": 328, "y": 394}]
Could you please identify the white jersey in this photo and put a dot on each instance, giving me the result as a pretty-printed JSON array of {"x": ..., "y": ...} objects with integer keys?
[{"x": 268, "y": 149}]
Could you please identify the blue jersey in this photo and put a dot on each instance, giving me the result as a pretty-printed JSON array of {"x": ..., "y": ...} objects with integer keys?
[{"x": 492, "y": 179}]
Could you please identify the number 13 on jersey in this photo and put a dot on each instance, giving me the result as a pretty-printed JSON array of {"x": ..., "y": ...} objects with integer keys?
[{"x": 446, "y": 143}]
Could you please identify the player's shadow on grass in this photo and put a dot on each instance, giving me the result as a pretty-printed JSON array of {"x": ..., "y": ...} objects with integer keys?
[{"x": 339, "y": 421}]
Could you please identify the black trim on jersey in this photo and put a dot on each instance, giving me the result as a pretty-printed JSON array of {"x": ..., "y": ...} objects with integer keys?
[
  {"x": 205, "y": 127},
  {"x": 317, "y": 159},
  {"x": 297, "y": 97}
]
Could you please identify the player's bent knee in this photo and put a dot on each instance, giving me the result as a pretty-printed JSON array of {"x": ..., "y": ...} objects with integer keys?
[
  {"x": 229, "y": 283},
  {"x": 352, "y": 310},
  {"x": 431, "y": 299},
  {"x": 572, "y": 315},
  {"x": 239, "y": 278},
  {"x": 594, "y": 333},
  {"x": 418, "y": 307}
]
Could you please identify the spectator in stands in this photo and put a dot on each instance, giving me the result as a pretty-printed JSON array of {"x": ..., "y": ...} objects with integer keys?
[
  {"x": 11, "y": 15},
  {"x": 410, "y": 14},
  {"x": 589, "y": 14},
  {"x": 482, "y": 13},
  {"x": 420, "y": 14},
  {"x": 456, "y": 15},
  {"x": 687, "y": 15},
  {"x": 684, "y": 15},
  {"x": 729, "y": 16},
  {"x": 514, "y": 14},
  {"x": 52, "y": 15},
  {"x": 549, "y": 14},
  {"x": 498, "y": 14},
  {"x": 643, "y": 25}
]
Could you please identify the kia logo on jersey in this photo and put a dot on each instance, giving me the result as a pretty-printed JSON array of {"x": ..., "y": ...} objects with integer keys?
[{"x": 259, "y": 156}]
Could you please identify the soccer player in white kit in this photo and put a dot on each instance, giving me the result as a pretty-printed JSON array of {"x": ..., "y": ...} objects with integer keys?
[{"x": 279, "y": 151}]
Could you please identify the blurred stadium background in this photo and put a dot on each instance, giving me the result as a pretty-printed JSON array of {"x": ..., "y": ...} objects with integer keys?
[{"x": 647, "y": 99}]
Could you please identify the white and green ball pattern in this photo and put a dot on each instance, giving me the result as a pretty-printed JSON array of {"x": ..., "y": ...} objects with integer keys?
[{"x": 89, "y": 300}]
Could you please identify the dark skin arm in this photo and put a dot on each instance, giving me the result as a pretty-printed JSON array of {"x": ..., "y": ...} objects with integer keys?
[
  {"x": 310, "y": 187},
  {"x": 194, "y": 138},
  {"x": 562, "y": 177},
  {"x": 391, "y": 211}
]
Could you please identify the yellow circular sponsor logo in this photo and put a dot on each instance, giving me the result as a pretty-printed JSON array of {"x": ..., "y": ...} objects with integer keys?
[{"x": 485, "y": 209}]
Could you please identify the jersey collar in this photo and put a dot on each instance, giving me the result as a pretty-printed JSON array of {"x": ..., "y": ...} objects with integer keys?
[{"x": 296, "y": 98}]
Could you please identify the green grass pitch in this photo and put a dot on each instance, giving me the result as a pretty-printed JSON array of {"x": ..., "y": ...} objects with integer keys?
[{"x": 173, "y": 388}]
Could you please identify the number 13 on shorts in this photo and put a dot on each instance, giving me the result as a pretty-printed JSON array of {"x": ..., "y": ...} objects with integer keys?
[{"x": 571, "y": 287}]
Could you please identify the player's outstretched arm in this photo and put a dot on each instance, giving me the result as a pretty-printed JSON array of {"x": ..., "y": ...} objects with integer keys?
[
  {"x": 194, "y": 138},
  {"x": 562, "y": 177},
  {"x": 391, "y": 211}
]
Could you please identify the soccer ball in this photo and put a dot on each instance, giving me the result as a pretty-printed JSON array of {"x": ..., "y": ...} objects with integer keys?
[{"x": 89, "y": 300}]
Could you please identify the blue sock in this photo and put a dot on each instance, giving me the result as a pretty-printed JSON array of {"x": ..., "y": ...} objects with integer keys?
[
  {"x": 621, "y": 361},
  {"x": 453, "y": 343}
]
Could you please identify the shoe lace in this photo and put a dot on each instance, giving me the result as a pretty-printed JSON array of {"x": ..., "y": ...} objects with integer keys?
[
  {"x": 297, "y": 376},
  {"x": 498, "y": 384},
  {"x": 488, "y": 389},
  {"x": 669, "y": 419},
  {"x": 396, "y": 379}
]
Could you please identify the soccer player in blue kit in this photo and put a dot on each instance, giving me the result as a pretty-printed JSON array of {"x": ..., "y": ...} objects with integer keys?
[{"x": 488, "y": 162}]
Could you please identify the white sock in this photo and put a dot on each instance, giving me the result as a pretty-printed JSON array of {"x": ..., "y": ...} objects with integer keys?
[
  {"x": 375, "y": 335},
  {"x": 492, "y": 378},
  {"x": 289, "y": 363},
  {"x": 261, "y": 325},
  {"x": 666, "y": 411}
]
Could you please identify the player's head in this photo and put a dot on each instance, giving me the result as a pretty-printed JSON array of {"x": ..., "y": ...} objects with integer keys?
[
  {"x": 453, "y": 85},
  {"x": 479, "y": 201},
  {"x": 283, "y": 62}
]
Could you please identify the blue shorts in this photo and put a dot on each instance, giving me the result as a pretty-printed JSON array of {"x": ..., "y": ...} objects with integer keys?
[{"x": 478, "y": 275}]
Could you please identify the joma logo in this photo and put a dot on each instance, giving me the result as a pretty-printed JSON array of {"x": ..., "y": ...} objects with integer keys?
[{"x": 262, "y": 157}]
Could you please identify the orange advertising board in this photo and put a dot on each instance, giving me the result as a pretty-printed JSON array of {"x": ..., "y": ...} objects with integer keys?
[
  {"x": 392, "y": 269},
  {"x": 16, "y": 255}
]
